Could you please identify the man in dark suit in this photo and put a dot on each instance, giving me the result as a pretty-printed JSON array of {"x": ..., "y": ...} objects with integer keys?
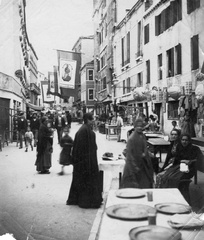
[
  {"x": 60, "y": 123},
  {"x": 22, "y": 127}
]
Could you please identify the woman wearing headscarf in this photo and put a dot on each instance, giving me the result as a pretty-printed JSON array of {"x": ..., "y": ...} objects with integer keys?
[
  {"x": 44, "y": 147},
  {"x": 170, "y": 157},
  {"x": 138, "y": 170},
  {"x": 185, "y": 153},
  {"x": 85, "y": 188},
  {"x": 175, "y": 140}
]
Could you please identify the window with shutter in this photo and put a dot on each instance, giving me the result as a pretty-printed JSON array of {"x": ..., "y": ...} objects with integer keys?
[
  {"x": 194, "y": 53},
  {"x": 178, "y": 59},
  {"x": 148, "y": 71},
  {"x": 159, "y": 66},
  {"x": 128, "y": 85},
  {"x": 192, "y": 5},
  {"x": 146, "y": 34},
  {"x": 128, "y": 48},
  {"x": 173, "y": 110},
  {"x": 170, "y": 62},
  {"x": 124, "y": 87},
  {"x": 156, "y": 25},
  {"x": 123, "y": 51}
]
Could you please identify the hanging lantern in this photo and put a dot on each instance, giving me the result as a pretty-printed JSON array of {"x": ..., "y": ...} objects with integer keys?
[
  {"x": 200, "y": 77},
  {"x": 140, "y": 94},
  {"x": 174, "y": 92},
  {"x": 199, "y": 91}
]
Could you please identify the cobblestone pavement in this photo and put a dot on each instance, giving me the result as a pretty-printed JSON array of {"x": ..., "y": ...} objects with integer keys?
[{"x": 32, "y": 206}]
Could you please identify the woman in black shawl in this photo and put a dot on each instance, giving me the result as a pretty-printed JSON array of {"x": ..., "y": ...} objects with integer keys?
[
  {"x": 138, "y": 170},
  {"x": 85, "y": 188},
  {"x": 175, "y": 140},
  {"x": 44, "y": 147},
  {"x": 185, "y": 153}
]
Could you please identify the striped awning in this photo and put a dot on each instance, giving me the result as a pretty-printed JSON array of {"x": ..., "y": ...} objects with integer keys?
[{"x": 34, "y": 107}]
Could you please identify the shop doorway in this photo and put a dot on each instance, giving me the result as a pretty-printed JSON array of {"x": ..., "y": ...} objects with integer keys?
[{"x": 158, "y": 107}]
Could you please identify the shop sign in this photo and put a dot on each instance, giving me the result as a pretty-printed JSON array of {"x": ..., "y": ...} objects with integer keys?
[{"x": 19, "y": 73}]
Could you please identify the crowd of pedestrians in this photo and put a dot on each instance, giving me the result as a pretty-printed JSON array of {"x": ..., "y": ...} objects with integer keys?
[{"x": 81, "y": 152}]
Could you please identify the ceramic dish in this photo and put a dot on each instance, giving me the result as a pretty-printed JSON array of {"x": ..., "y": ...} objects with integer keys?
[
  {"x": 172, "y": 208},
  {"x": 130, "y": 193},
  {"x": 129, "y": 211},
  {"x": 153, "y": 232}
]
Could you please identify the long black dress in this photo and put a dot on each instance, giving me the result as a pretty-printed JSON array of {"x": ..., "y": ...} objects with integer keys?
[
  {"x": 138, "y": 170},
  {"x": 172, "y": 176},
  {"x": 85, "y": 188},
  {"x": 65, "y": 156},
  {"x": 44, "y": 149}
]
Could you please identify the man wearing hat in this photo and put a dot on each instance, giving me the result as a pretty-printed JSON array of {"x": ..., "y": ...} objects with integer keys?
[
  {"x": 85, "y": 189},
  {"x": 22, "y": 127},
  {"x": 60, "y": 123}
]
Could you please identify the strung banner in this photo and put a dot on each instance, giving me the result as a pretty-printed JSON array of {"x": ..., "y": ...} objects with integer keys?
[
  {"x": 47, "y": 97},
  {"x": 67, "y": 68},
  {"x": 69, "y": 64}
]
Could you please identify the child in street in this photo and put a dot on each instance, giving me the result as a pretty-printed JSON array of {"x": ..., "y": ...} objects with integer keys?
[
  {"x": 66, "y": 143},
  {"x": 29, "y": 139}
]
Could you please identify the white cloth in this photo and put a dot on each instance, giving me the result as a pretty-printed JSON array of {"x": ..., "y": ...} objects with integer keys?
[
  {"x": 119, "y": 121},
  {"x": 29, "y": 135}
]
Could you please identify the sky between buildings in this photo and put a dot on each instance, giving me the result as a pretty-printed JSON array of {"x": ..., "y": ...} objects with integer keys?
[{"x": 56, "y": 24}]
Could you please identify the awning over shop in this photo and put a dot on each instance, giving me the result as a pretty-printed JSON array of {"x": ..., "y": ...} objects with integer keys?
[
  {"x": 34, "y": 107},
  {"x": 107, "y": 100}
]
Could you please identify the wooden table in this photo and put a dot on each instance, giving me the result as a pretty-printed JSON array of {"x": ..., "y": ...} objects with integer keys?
[
  {"x": 198, "y": 141},
  {"x": 124, "y": 132},
  {"x": 111, "y": 131},
  {"x": 113, "y": 166},
  {"x": 114, "y": 229},
  {"x": 153, "y": 135},
  {"x": 158, "y": 144}
]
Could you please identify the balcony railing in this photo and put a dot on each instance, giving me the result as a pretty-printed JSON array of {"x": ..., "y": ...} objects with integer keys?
[{"x": 34, "y": 88}]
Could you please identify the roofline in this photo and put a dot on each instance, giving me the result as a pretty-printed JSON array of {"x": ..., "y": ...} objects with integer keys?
[{"x": 82, "y": 37}]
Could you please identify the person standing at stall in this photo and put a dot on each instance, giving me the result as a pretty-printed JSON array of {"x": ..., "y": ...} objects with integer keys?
[
  {"x": 119, "y": 123},
  {"x": 138, "y": 170},
  {"x": 85, "y": 188}
]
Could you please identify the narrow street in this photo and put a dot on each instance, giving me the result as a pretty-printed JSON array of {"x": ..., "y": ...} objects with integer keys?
[{"x": 32, "y": 205}]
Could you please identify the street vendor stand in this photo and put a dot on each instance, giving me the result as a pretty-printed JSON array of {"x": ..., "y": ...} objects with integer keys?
[
  {"x": 124, "y": 132},
  {"x": 111, "y": 131},
  {"x": 112, "y": 166},
  {"x": 158, "y": 145},
  {"x": 113, "y": 228}
]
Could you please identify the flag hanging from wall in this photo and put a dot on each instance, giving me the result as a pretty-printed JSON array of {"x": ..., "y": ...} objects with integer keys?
[
  {"x": 47, "y": 97},
  {"x": 69, "y": 64},
  {"x": 53, "y": 82}
]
